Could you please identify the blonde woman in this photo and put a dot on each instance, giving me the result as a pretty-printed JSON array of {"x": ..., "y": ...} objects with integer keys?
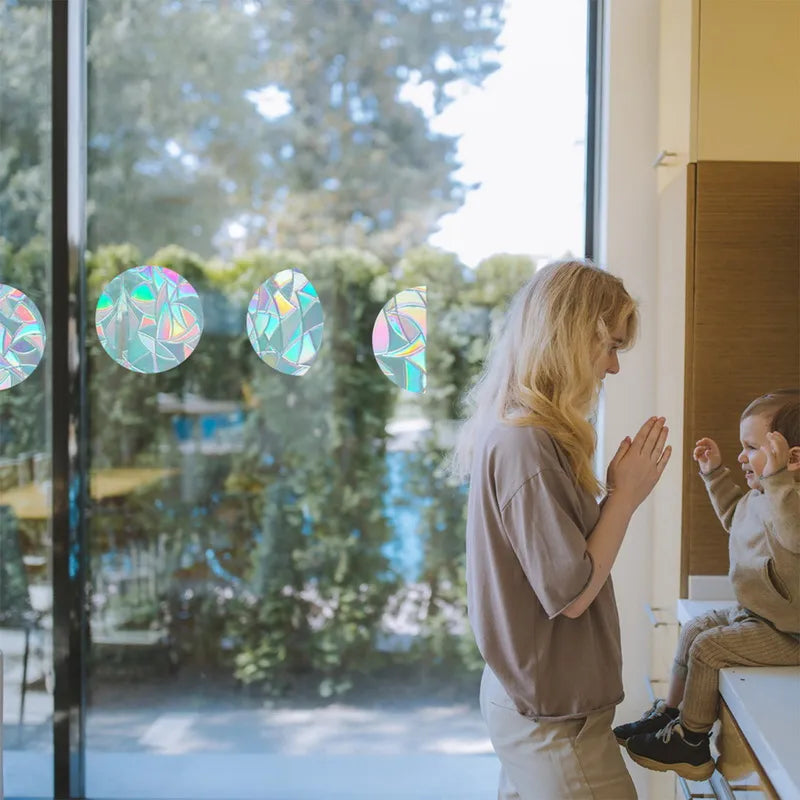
[{"x": 539, "y": 546}]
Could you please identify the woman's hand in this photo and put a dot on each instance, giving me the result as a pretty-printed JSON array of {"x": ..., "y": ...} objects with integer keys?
[
  {"x": 776, "y": 449},
  {"x": 636, "y": 467},
  {"x": 611, "y": 472},
  {"x": 707, "y": 455}
]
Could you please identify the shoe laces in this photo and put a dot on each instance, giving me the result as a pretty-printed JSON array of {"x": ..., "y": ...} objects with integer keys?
[
  {"x": 654, "y": 710},
  {"x": 665, "y": 734}
]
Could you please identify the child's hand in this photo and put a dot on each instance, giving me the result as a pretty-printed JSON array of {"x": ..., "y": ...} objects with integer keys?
[
  {"x": 706, "y": 454},
  {"x": 776, "y": 449}
]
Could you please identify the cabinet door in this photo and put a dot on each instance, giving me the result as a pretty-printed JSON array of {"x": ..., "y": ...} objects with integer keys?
[
  {"x": 738, "y": 764},
  {"x": 743, "y": 326}
]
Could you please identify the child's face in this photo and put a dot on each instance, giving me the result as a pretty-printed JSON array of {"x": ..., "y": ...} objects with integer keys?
[{"x": 753, "y": 434}]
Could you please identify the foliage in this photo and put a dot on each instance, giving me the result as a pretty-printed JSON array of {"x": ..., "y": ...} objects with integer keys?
[
  {"x": 307, "y": 126},
  {"x": 316, "y": 446},
  {"x": 25, "y": 135},
  {"x": 303, "y": 123},
  {"x": 297, "y": 518},
  {"x": 462, "y": 314},
  {"x": 23, "y": 412}
]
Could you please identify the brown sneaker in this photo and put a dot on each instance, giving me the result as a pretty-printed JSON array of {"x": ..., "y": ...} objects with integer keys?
[{"x": 669, "y": 749}]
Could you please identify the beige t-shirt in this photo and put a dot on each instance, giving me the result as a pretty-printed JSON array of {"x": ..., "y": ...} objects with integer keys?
[{"x": 527, "y": 523}]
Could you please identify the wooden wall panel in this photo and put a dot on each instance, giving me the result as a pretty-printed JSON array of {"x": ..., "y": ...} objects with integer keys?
[
  {"x": 743, "y": 322},
  {"x": 688, "y": 384}
]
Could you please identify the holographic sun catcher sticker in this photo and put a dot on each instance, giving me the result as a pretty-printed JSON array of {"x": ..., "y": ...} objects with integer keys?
[
  {"x": 22, "y": 336},
  {"x": 285, "y": 322},
  {"x": 149, "y": 319},
  {"x": 398, "y": 339}
]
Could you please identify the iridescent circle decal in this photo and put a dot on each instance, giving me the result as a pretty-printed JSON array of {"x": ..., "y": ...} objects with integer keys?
[
  {"x": 285, "y": 322},
  {"x": 22, "y": 336},
  {"x": 149, "y": 319},
  {"x": 398, "y": 339}
]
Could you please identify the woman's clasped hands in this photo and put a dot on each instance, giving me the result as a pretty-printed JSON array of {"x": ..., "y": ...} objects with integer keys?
[{"x": 639, "y": 462}]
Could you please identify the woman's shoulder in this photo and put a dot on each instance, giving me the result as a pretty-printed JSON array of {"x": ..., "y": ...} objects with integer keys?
[
  {"x": 510, "y": 434},
  {"x": 521, "y": 448}
]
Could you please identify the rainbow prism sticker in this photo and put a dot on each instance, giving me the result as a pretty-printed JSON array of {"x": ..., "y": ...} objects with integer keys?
[
  {"x": 22, "y": 336},
  {"x": 285, "y": 322},
  {"x": 398, "y": 339},
  {"x": 149, "y": 319}
]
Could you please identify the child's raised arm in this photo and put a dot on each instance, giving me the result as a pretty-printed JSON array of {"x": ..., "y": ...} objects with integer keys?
[
  {"x": 782, "y": 492},
  {"x": 722, "y": 491}
]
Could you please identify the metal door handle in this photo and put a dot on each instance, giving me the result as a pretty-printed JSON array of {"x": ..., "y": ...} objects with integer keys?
[{"x": 664, "y": 154}]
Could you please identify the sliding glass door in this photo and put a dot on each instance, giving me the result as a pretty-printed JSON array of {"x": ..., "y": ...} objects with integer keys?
[{"x": 284, "y": 233}]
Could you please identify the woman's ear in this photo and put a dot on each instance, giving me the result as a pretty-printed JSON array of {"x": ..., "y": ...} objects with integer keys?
[{"x": 794, "y": 458}]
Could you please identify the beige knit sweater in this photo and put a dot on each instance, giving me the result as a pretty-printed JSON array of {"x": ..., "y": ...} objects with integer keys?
[{"x": 764, "y": 544}]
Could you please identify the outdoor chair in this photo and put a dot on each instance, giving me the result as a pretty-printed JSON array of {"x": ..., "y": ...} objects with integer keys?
[{"x": 16, "y": 610}]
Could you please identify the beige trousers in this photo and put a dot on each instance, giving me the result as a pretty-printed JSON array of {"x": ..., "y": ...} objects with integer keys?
[
  {"x": 730, "y": 637},
  {"x": 575, "y": 759}
]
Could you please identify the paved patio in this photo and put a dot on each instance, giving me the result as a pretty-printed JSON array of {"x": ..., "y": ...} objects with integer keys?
[
  {"x": 183, "y": 740},
  {"x": 338, "y": 752}
]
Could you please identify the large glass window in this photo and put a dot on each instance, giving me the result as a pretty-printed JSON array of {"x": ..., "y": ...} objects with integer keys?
[
  {"x": 25, "y": 398},
  {"x": 300, "y": 215}
]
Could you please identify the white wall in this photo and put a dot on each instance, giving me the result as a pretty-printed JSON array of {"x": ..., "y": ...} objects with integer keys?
[{"x": 628, "y": 216}]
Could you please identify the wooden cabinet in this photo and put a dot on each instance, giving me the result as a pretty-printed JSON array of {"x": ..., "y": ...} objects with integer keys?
[
  {"x": 729, "y": 240},
  {"x": 738, "y": 776},
  {"x": 737, "y": 763},
  {"x": 742, "y": 322}
]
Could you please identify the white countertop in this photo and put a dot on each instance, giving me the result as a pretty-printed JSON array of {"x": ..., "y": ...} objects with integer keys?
[
  {"x": 688, "y": 609},
  {"x": 765, "y": 702}
]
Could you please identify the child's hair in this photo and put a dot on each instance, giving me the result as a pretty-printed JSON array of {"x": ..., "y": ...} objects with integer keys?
[
  {"x": 540, "y": 369},
  {"x": 787, "y": 422},
  {"x": 782, "y": 408}
]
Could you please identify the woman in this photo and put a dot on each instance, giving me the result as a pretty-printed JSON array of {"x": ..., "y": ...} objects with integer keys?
[{"x": 539, "y": 546}]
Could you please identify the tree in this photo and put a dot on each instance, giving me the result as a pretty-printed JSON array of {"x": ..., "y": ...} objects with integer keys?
[
  {"x": 463, "y": 316},
  {"x": 364, "y": 163},
  {"x": 315, "y": 459},
  {"x": 24, "y": 121},
  {"x": 304, "y": 124},
  {"x": 178, "y": 148},
  {"x": 24, "y": 407}
]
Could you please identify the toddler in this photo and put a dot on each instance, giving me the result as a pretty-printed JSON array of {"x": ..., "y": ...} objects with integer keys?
[{"x": 764, "y": 628}]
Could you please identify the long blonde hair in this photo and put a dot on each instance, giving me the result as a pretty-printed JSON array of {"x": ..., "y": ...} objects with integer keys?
[{"x": 540, "y": 369}]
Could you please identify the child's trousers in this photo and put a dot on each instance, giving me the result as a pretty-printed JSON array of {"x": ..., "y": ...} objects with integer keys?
[{"x": 728, "y": 638}]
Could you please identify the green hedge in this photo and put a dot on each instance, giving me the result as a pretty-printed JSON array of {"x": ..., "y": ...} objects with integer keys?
[{"x": 299, "y": 516}]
